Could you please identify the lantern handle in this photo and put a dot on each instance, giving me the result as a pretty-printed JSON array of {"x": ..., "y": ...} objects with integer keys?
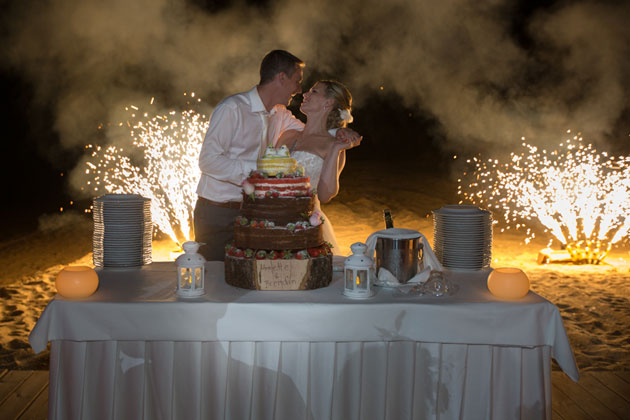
[
  {"x": 358, "y": 248},
  {"x": 191, "y": 246}
]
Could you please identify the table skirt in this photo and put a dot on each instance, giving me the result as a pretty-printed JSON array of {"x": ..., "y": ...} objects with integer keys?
[{"x": 297, "y": 380}]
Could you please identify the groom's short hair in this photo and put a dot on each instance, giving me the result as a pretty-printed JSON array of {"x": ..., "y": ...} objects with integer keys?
[{"x": 278, "y": 61}]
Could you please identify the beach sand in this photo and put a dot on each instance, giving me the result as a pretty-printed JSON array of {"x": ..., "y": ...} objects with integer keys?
[{"x": 593, "y": 299}]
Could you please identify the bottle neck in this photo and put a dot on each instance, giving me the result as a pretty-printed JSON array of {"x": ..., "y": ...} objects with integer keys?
[{"x": 389, "y": 222}]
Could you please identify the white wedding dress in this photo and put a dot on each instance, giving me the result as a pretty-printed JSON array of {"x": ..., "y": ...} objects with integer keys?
[{"x": 313, "y": 168}]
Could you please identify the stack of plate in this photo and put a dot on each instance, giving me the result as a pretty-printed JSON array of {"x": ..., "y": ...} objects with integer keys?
[
  {"x": 462, "y": 237},
  {"x": 122, "y": 231}
]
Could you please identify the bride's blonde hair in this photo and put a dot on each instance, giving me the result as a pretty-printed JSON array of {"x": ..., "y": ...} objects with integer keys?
[{"x": 343, "y": 101}]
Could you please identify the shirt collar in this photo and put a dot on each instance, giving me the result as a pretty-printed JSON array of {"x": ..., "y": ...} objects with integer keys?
[{"x": 255, "y": 101}]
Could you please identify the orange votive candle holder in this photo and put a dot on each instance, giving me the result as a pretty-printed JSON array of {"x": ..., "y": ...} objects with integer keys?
[
  {"x": 76, "y": 281},
  {"x": 508, "y": 283}
]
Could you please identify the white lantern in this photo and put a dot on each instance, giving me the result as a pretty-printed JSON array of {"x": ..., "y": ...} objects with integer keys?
[
  {"x": 190, "y": 271},
  {"x": 357, "y": 273}
]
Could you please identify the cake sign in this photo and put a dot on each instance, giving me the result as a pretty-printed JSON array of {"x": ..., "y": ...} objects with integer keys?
[{"x": 282, "y": 274}]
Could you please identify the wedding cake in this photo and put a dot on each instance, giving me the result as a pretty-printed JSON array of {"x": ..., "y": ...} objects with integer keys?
[{"x": 278, "y": 240}]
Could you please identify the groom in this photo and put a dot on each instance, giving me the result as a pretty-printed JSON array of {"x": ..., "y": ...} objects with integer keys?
[{"x": 241, "y": 127}]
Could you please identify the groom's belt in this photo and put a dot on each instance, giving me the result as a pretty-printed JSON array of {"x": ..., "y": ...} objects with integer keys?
[{"x": 226, "y": 204}]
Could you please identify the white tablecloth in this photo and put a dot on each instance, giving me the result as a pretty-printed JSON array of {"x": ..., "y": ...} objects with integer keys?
[{"x": 136, "y": 350}]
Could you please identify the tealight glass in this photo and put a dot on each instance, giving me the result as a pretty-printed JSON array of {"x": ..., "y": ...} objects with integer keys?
[
  {"x": 508, "y": 283},
  {"x": 76, "y": 281}
]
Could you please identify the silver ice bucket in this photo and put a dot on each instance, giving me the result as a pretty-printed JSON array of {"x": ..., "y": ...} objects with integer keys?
[{"x": 401, "y": 257}]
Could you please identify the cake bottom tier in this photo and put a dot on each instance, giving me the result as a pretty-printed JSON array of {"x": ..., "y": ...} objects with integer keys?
[{"x": 280, "y": 274}]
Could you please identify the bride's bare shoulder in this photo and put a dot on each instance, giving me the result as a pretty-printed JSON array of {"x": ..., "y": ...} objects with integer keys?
[
  {"x": 288, "y": 138},
  {"x": 320, "y": 144},
  {"x": 326, "y": 144}
]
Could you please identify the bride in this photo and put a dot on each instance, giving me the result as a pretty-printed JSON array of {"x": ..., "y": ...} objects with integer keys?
[{"x": 327, "y": 105}]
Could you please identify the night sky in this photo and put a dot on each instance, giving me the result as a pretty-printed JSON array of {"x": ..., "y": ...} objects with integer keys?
[{"x": 428, "y": 80}]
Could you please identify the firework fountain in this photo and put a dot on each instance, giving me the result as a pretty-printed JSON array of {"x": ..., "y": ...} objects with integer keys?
[
  {"x": 579, "y": 195},
  {"x": 166, "y": 170}
]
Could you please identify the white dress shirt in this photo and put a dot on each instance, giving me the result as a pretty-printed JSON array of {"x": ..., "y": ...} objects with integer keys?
[{"x": 234, "y": 140}]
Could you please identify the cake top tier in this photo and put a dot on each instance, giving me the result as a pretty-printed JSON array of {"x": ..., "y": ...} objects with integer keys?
[{"x": 277, "y": 161}]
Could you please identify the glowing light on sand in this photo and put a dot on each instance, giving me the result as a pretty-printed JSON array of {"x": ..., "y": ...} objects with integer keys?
[
  {"x": 578, "y": 194},
  {"x": 161, "y": 164}
]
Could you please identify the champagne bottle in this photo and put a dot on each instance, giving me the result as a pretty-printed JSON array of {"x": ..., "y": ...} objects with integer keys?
[{"x": 389, "y": 222}]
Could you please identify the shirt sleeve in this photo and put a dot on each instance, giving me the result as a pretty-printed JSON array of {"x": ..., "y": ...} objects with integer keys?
[
  {"x": 288, "y": 120},
  {"x": 214, "y": 158}
]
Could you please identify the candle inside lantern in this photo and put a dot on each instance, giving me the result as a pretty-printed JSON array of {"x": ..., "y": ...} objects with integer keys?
[
  {"x": 190, "y": 274},
  {"x": 357, "y": 268}
]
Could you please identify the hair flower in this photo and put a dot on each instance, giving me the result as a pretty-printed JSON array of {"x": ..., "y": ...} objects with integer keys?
[{"x": 345, "y": 115}]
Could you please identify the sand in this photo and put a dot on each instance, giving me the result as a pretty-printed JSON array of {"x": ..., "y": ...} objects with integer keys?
[{"x": 594, "y": 300}]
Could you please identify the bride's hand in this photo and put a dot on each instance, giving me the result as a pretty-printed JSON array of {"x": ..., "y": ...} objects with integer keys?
[
  {"x": 347, "y": 143},
  {"x": 346, "y": 133}
]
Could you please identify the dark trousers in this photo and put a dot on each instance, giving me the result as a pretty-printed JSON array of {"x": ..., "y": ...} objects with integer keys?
[{"x": 214, "y": 226}]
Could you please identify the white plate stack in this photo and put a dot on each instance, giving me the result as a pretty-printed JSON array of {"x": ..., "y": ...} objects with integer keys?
[
  {"x": 122, "y": 231},
  {"x": 462, "y": 237}
]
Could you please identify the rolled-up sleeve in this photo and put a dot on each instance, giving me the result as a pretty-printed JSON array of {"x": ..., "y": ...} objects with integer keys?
[{"x": 217, "y": 158}]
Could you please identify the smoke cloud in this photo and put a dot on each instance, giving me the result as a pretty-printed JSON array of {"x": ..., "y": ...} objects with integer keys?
[{"x": 486, "y": 74}]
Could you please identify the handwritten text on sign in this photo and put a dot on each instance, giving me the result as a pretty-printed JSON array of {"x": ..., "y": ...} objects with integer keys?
[{"x": 281, "y": 274}]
